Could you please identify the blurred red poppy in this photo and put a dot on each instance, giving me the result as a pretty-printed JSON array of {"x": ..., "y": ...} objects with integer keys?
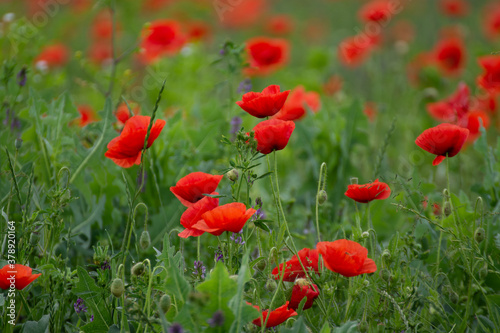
[
  {"x": 346, "y": 257},
  {"x": 443, "y": 140},
  {"x": 190, "y": 189},
  {"x": 490, "y": 79},
  {"x": 365, "y": 193},
  {"x": 55, "y": 55},
  {"x": 19, "y": 276},
  {"x": 193, "y": 215},
  {"x": 297, "y": 102},
  {"x": 302, "y": 289},
  {"x": 125, "y": 150},
  {"x": 276, "y": 317},
  {"x": 454, "y": 108},
  {"x": 161, "y": 38},
  {"x": 100, "y": 53},
  {"x": 491, "y": 20},
  {"x": 102, "y": 26},
  {"x": 87, "y": 115},
  {"x": 264, "y": 104},
  {"x": 273, "y": 134},
  {"x": 229, "y": 217},
  {"x": 122, "y": 113},
  {"x": 239, "y": 14},
  {"x": 155, "y": 5},
  {"x": 198, "y": 30},
  {"x": 266, "y": 55},
  {"x": 353, "y": 51},
  {"x": 333, "y": 85},
  {"x": 487, "y": 102},
  {"x": 370, "y": 111},
  {"x": 473, "y": 124},
  {"x": 280, "y": 25},
  {"x": 293, "y": 269},
  {"x": 449, "y": 56},
  {"x": 416, "y": 66},
  {"x": 378, "y": 11},
  {"x": 455, "y": 8}
]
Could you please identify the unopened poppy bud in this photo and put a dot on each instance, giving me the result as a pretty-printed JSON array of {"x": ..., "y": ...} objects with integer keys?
[
  {"x": 273, "y": 256},
  {"x": 232, "y": 175},
  {"x": 385, "y": 275},
  {"x": 430, "y": 93},
  {"x": 483, "y": 272},
  {"x": 386, "y": 255},
  {"x": 363, "y": 327},
  {"x": 479, "y": 234},
  {"x": 365, "y": 234},
  {"x": 137, "y": 269},
  {"x": 261, "y": 265},
  {"x": 18, "y": 143},
  {"x": 145, "y": 240},
  {"x": 366, "y": 283},
  {"x": 301, "y": 282},
  {"x": 354, "y": 180},
  {"x": 165, "y": 303},
  {"x": 322, "y": 197},
  {"x": 271, "y": 286},
  {"x": 117, "y": 287}
]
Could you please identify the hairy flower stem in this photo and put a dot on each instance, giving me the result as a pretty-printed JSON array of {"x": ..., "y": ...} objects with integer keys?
[
  {"x": 198, "y": 246},
  {"x": 274, "y": 193},
  {"x": 321, "y": 186}
]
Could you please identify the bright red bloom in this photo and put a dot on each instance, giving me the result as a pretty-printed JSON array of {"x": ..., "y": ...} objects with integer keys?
[
  {"x": 239, "y": 14},
  {"x": 101, "y": 53},
  {"x": 293, "y": 269},
  {"x": 473, "y": 124},
  {"x": 229, "y": 217},
  {"x": 125, "y": 150},
  {"x": 346, "y": 257},
  {"x": 487, "y": 102},
  {"x": 190, "y": 189},
  {"x": 264, "y": 104},
  {"x": 23, "y": 276},
  {"x": 491, "y": 21},
  {"x": 87, "y": 115},
  {"x": 365, "y": 193},
  {"x": 297, "y": 102},
  {"x": 193, "y": 215},
  {"x": 353, "y": 51},
  {"x": 276, "y": 317},
  {"x": 266, "y": 55},
  {"x": 449, "y": 56},
  {"x": 490, "y": 79},
  {"x": 55, "y": 55},
  {"x": 370, "y": 111},
  {"x": 280, "y": 25},
  {"x": 273, "y": 134},
  {"x": 453, "y": 108},
  {"x": 102, "y": 27},
  {"x": 377, "y": 11},
  {"x": 161, "y": 38},
  {"x": 122, "y": 113},
  {"x": 454, "y": 8},
  {"x": 442, "y": 140},
  {"x": 198, "y": 30},
  {"x": 301, "y": 290}
]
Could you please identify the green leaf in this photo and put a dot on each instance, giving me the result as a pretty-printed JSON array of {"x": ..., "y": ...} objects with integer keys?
[
  {"x": 349, "y": 327},
  {"x": 176, "y": 284},
  {"x": 298, "y": 327},
  {"x": 41, "y": 326},
  {"x": 325, "y": 329},
  {"x": 243, "y": 312},
  {"x": 220, "y": 289},
  {"x": 94, "y": 297}
]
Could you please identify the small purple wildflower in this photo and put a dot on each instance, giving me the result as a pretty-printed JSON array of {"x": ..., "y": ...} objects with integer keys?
[
  {"x": 176, "y": 328},
  {"x": 259, "y": 215},
  {"x": 219, "y": 256},
  {"x": 235, "y": 126},
  {"x": 245, "y": 86},
  {"x": 105, "y": 265},
  {"x": 217, "y": 319},
  {"x": 79, "y": 306},
  {"x": 199, "y": 269},
  {"x": 91, "y": 318},
  {"x": 239, "y": 239},
  {"x": 21, "y": 77}
]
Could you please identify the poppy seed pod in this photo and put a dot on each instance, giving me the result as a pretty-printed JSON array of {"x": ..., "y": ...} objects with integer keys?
[
  {"x": 322, "y": 197},
  {"x": 479, "y": 234},
  {"x": 137, "y": 269},
  {"x": 145, "y": 240},
  {"x": 165, "y": 303},
  {"x": 261, "y": 265},
  {"x": 117, "y": 287}
]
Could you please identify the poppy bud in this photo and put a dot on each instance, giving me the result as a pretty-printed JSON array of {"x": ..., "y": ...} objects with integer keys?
[
  {"x": 271, "y": 286},
  {"x": 137, "y": 269},
  {"x": 232, "y": 175},
  {"x": 363, "y": 327},
  {"x": 385, "y": 275},
  {"x": 165, "y": 303},
  {"x": 365, "y": 234},
  {"x": 483, "y": 272},
  {"x": 145, "y": 240},
  {"x": 386, "y": 255},
  {"x": 273, "y": 256},
  {"x": 117, "y": 287},
  {"x": 479, "y": 235},
  {"x": 261, "y": 265},
  {"x": 18, "y": 143},
  {"x": 322, "y": 197},
  {"x": 354, "y": 180},
  {"x": 366, "y": 283}
]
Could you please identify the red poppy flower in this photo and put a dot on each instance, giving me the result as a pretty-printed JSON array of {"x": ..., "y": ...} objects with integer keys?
[
  {"x": 297, "y": 102},
  {"x": 353, "y": 51},
  {"x": 473, "y": 124},
  {"x": 449, "y": 56},
  {"x": 416, "y": 66},
  {"x": 229, "y": 217},
  {"x": 239, "y": 14},
  {"x": 442, "y": 140},
  {"x": 190, "y": 189},
  {"x": 293, "y": 269},
  {"x": 273, "y": 134},
  {"x": 453, "y": 108},
  {"x": 377, "y": 11},
  {"x": 487, "y": 102},
  {"x": 346, "y": 257},
  {"x": 125, "y": 150},
  {"x": 368, "y": 192},
  {"x": 491, "y": 21},
  {"x": 198, "y": 30},
  {"x": 155, "y": 5},
  {"x": 161, "y": 38},
  {"x": 280, "y": 25},
  {"x": 193, "y": 215},
  {"x": 333, "y": 85},
  {"x": 102, "y": 27},
  {"x": 19, "y": 275},
  {"x": 454, "y": 8},
  {"x": 276, "y": 317},
  {"x": 52, "y": 56},
  {"x": 266, "y": 55},
  {"x": 100, "y": 53},
  {"x": 370, "y": 111},
  {"x": 490, "y": 79},
  {"x": 403, "y": 30},
  {"x": 122, "y": 113},
  {"x": 302, "y": 289},
  {"x": 264, "y": 104},
  {"x": 87, "y": 115}
]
